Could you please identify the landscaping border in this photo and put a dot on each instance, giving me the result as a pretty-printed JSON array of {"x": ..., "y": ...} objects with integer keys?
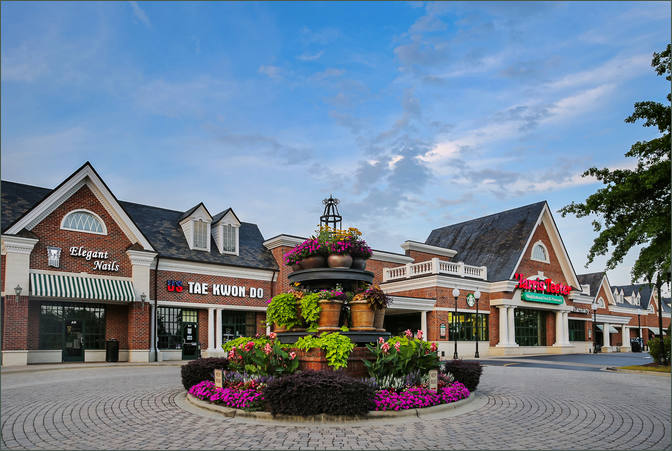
[{"x": 324, "y": 418}]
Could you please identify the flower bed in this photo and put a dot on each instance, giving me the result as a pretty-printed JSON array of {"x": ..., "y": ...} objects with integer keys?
[
  {"x": 419, "y": 397},
  {"x": 245, "y": 398}
]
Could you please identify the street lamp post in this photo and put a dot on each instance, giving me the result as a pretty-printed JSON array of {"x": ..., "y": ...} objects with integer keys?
[
  {"x": 477, "y": 296},
  {"x": 594, "y": 307},
  {"x": 456, "y": 293},
  {"x": 639, "y": 325}
]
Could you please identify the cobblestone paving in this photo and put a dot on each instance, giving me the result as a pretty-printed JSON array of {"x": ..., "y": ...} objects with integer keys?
[{"x": 527, "y": 408}]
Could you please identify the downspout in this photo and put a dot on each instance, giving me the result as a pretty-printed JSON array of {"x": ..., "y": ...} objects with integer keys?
[{"x": 156, "y": 310}]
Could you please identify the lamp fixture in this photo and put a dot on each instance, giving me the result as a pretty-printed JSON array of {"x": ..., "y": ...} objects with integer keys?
[{"x": 18, "y": 291}]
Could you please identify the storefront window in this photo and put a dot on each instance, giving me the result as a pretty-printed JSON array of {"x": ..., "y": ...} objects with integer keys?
[
  {"x": 237, "y": 324},
  {"x": 463, "y": 327},
  {"x": 577, "y": 330},
  {"x": 530, "y": 327},
  {"x": 169, "y": 327},
  {"x": 53, "y": 318}
]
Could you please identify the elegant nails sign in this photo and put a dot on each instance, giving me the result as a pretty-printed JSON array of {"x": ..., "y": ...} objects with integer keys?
[{"x": 545, "y": 286}]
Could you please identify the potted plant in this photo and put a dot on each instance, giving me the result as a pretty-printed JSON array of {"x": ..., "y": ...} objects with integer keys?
[
  {"x": 337, "y": 347},
  {"x": 339, "y": 254},
  {"x": 282, "y": 312},
  {"x": 359, "y": 250},
  {"x": 307, "y": 255},
  {"x": 361, "y": 313},
  {"x": 378, "y": 301},
  {"x": 310, "y": 310},
  {"x": 330, "y": 302}
]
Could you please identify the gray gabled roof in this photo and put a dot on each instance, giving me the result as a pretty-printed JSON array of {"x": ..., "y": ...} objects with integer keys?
[
  {"x": 495, "y": 241},
  {"x": 160, "y": 226},
  {"x": 593, "y": 279},
  {"x": 644, "y": 290}
]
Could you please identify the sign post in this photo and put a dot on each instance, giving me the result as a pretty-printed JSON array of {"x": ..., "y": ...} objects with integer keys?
[
  {"x": 433, "y": 380},
  {"x": 218, "y": 378}
]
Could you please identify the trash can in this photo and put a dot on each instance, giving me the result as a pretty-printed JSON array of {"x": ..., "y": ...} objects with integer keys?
[
  {"x": 112, "y": 350},
  {"x": 635, "y": 345}
]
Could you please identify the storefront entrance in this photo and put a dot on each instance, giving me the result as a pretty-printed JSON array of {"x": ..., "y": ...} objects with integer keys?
[
  {"x": 178, "y": 330},
  {"x": 73, "y": 346},
  {"x": 530, "y": 327}
]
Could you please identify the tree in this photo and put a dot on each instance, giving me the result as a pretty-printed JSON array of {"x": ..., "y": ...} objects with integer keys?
[{"x": 635, "y": 203}]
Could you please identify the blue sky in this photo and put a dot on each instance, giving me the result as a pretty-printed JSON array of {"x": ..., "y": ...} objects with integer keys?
[{"x": 414, "y": 115}]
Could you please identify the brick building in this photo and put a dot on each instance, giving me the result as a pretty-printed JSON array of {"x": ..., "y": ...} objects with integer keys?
[{"x": 80, "y": 267}]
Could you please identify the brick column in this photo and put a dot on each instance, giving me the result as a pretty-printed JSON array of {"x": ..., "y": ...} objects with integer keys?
[{"x": 138, "y": 332}]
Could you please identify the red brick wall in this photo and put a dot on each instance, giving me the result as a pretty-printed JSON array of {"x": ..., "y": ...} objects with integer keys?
[
  {"x": 529, "y": 267},
  {"x": 203, "y": 329},
  {"x": 376, "y": 267},
  {"x": 116, "y": 323},
  {"x": 209, "y": 298},
  {"x": 15, "y": 327},
  {"x": 34, "y": 325},
  {"x": 282, "y": 284},
  {"x": 138, "y": 326},
  {"x": 260, "y": 318},
  {"x": 418, "y": 256},
  {"x": 550, "y": 327},
  {"x": 3, "y": 261},
  {"x": 50, "y": 234}
]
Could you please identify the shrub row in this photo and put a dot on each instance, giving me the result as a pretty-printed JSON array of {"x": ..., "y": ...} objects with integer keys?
[
  {"x": 467, "y": 372},
  {"x": 316, "y": 392},
  {"x": 201, "y": 370}
]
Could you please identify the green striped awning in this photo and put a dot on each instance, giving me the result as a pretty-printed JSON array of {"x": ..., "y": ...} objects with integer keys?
[{"x": 81, "y": 287}]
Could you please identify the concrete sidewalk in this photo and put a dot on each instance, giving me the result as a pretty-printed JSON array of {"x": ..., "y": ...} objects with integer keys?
[{"x": 78, "y": 366}]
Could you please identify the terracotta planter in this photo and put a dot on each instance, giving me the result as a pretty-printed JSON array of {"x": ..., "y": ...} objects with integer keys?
[
  {"x": 361, "y": 315},
  {"x": 316, "y": 261},
  {"x": 330, "y": 314},
  {"x": 278, "y": 329},
  {"x": 359, "y": 263},
  {"x": 339, "y": 261},
  {"x": 378, "y": 319}
]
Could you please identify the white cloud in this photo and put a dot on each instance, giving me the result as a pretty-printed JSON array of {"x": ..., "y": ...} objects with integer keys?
[
  {"x": 140, "y": 14},
  {"x": 270, "y": 71},
  {"x": 310, "y": 57},
  {"x": 617, "y": 69},
  {"x": 328, "y": 73}
]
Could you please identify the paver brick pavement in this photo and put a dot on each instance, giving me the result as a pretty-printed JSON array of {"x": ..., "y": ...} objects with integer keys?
[{"x": 526, "y": 408}]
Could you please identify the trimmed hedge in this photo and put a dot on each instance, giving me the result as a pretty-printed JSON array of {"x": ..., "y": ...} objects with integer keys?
[
  {"x": 316, "y": 392},
  {"x": 200, "y": 370},
  {"x": 467, "y": 372}
]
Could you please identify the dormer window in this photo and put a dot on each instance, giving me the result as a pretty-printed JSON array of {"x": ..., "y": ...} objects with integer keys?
[
  {"x": 196, "y": 227},
  {"x": 84, "y": 221},
  {"x": 229, "y": 238},
  {"x": 225, "y": 231},
  {"x": 540, "y": 253},
  {"x": 201, "y": 235}
]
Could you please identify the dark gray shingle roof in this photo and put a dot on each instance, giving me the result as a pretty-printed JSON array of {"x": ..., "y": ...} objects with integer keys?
[
  {"x": 159, "y": 225},
  {"x": 593, "y": 279},
  {"x": 495, "y": 241},
  {"x": 644, "y": 292}
]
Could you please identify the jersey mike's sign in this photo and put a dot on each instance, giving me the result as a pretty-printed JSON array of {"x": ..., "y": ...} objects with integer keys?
[{"x": 544, "y": 286}]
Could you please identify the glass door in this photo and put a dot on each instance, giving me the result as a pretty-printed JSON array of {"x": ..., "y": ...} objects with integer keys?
[
  {"x": 189, "y": 334},
  {"x": 73, "y": 349}
]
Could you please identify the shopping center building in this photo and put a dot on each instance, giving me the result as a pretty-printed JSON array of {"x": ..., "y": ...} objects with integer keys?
[{"x": 80, "y": 268}]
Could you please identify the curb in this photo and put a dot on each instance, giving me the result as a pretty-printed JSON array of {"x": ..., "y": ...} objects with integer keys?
[
  {"x": 621, "y": 370},
  {"x": 324, "y": 418},
  {"x": 37, "y": 368}
]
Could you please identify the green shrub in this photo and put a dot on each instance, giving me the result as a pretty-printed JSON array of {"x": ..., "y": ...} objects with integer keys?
[
  {"x": 310, "y": 310},
  {"x": 467, "y": 372},
  {"x": 201, "y": 370},
  {"x": 656, "y": 350},
  {"x": 282, "y": 311},
  {"x": 316, "y": 392},
  {"x": 400, "y": 356},
  {"x": 260, "y": 356}
]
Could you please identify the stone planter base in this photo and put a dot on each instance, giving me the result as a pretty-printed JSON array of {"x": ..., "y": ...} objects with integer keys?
[{"x": 315, "y": 359}]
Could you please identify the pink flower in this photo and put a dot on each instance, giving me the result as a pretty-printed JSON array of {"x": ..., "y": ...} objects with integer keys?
[
  {"x": 267, "y": 348},
  {"x": 249, "y": 346},
  {"x": 408, "y": 333},
  {"x": 385, "y": 348},
  {"x": 381, "y": 340},
  {"x": 241, "y": 346},
  {"x": 433, "y": 347},
  {"x": 232, "y": 353},
  {"x": 397, "y": 346},
  {"x": 273, "y": 335},
  {"x": 419, "y": 335},
  {"x": 292, "y": 355}
]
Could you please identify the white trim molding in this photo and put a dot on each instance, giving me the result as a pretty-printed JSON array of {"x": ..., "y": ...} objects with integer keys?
[
  {"x": 408, "y": 303},
  {"x": 209, "y": 269},
  {"x": 443, "y": 281},
  {"x": 204, "y": 306},
  {"x": 283, "y": 240},
  {"x": 611, "y": 319},
  {"x": 18, "y": 245},
  {"x": 544, "y": 248},
  {"x": 391, "y": 257},
  {"x": 141, "y": 258},
  {"x": 409, "y": 245}
]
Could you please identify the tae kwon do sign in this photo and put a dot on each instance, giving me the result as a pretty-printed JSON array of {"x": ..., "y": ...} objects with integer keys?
[
  {"x": 216, "y": 289},
  {"x": 551, "y": 293}
]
